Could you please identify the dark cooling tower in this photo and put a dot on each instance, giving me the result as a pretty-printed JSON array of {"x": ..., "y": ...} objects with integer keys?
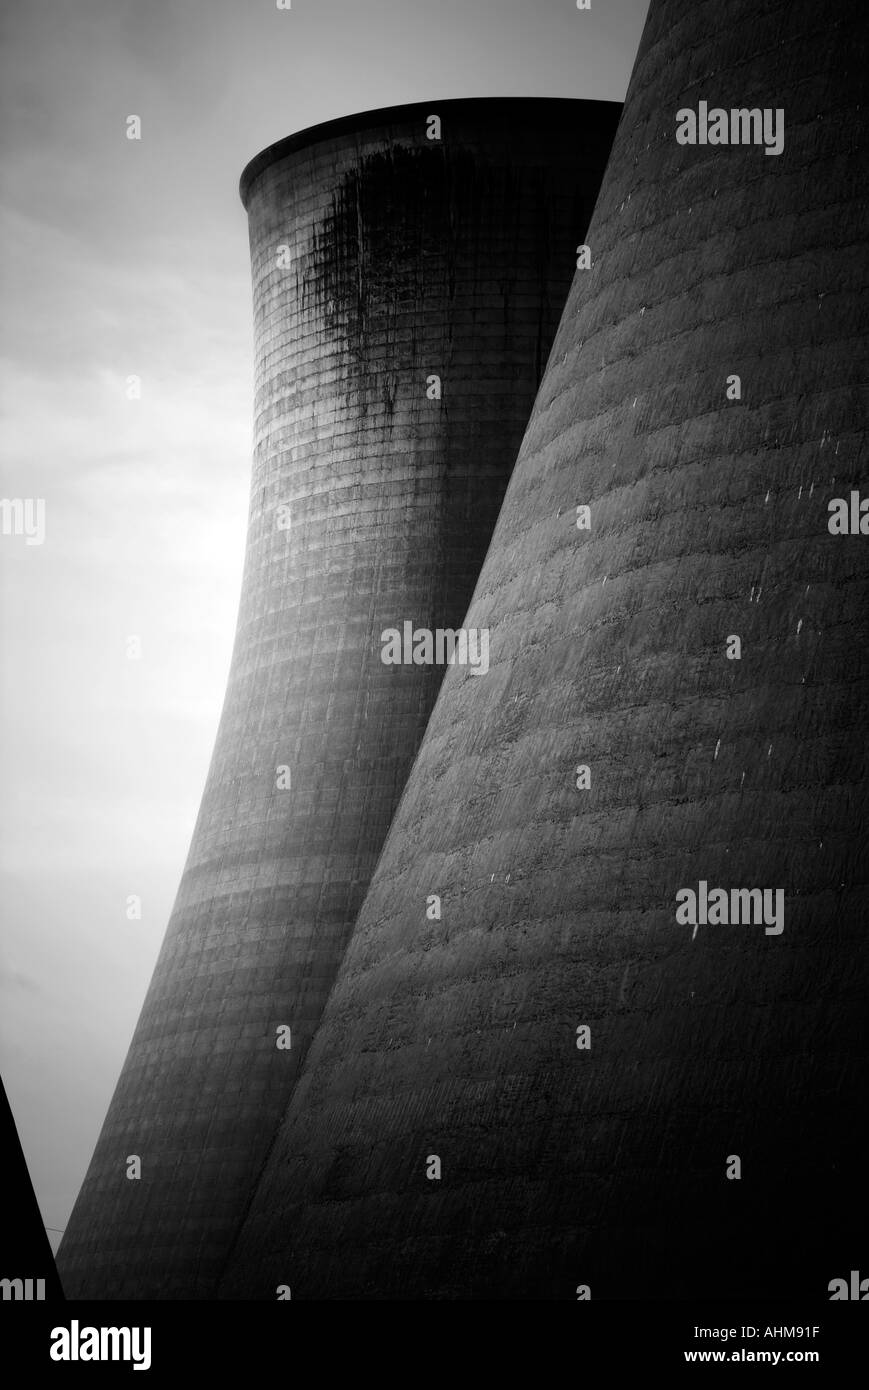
[
  {"x": 408, "y": 278},
  {"x": 559, "y": 1089}
]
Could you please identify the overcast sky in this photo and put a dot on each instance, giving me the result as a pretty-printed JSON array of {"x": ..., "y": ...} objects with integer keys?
[{"x": 119, "y": 258}]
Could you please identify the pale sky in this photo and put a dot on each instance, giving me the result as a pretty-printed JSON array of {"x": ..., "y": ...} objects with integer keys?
[{"x": 119, "y": 258}]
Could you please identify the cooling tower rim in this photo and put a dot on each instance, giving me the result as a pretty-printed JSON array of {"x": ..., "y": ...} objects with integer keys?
[{"x": 385, "y": 115}]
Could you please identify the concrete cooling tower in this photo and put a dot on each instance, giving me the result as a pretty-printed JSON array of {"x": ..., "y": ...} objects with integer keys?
[
  {"x": 599, "y": 1031},
  {"x": 409, "y": 271}
]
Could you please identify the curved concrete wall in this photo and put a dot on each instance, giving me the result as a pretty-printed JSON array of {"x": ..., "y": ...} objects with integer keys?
[
  {"x": 605, "y": 1167},
  {"x": 380, "y": 258}
]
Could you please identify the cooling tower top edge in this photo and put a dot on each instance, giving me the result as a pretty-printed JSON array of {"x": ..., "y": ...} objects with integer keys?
[{"x": 386, "y": 115}]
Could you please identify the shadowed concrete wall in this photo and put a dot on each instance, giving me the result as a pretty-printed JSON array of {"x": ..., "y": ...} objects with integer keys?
[
  {"x": 380, "y": 258},
  {"x": 605, "y": 1166}
]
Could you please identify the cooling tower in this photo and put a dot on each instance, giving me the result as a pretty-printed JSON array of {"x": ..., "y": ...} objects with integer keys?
[
  {"x": 410, "y": 266},
  {"x": 554, "y": 1084}
]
